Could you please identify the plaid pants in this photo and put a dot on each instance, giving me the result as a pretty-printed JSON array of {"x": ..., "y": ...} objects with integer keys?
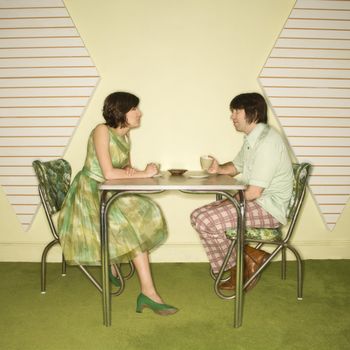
[{"x": 212, "y": 220}]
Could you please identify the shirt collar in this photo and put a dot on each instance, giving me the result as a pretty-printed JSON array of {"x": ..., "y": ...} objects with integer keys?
[{"x": 253, "y": 136}]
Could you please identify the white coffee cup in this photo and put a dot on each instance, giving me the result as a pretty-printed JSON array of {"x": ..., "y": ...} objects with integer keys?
[{"x": 206, "y": 162}]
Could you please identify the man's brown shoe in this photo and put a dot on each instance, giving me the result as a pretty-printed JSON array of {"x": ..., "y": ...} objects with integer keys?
[
  {"x": 231, "y": 283},
  {"x": 253, "y": 259}
]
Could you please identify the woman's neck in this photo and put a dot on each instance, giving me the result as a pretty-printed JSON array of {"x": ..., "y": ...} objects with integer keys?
[{"x": 121, "y": 131}]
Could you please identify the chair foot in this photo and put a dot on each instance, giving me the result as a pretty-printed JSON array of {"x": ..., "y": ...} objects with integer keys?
[
  {"x": 64, "y": 274},
  {"x": 300, "y": 298},
  {"x": 42, "y": 292}
]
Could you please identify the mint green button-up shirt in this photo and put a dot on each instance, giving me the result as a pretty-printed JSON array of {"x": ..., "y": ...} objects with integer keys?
[{"x": 264, "y": 161}]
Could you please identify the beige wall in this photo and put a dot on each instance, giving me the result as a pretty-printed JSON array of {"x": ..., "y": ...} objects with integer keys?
[{"x": 186, "y": 60}]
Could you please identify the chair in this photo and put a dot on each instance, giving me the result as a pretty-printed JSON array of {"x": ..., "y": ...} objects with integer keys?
[
  {"x": 268, "y": 236},
  {"x": 54, "y": 181}
]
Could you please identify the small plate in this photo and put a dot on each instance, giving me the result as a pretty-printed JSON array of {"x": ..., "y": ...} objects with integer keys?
[
  {"x": 197, "y": 174},
  {"x": 177, "y": 171},
  {"x": 157, "y": 175}
]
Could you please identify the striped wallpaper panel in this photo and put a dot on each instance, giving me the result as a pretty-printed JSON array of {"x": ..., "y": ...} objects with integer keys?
[
  {"x": 46, "y": 80},
  {"x": 307, "y": 81}
]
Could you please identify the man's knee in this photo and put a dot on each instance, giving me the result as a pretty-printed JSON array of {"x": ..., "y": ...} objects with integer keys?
[{"x": 202, "y": 222}]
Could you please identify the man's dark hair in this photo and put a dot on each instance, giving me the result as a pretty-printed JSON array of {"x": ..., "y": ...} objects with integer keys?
[
  {"x": 115, "y": 107},
  {"x": 254, "y": 106}
]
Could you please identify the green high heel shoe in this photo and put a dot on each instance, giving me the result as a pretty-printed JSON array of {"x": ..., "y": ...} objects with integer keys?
[
  {"x": 114, "y": 280},
  {"x": 160, "y": 309}
]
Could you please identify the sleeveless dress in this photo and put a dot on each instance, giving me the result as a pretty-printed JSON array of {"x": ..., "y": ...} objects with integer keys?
[{"x": 135, "y": 222}]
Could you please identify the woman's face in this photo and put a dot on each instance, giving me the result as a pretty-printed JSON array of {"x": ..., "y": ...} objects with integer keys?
[{"x": 133, "y": 117}]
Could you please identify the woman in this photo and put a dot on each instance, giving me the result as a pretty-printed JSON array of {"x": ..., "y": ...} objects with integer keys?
[{"x": 136, "y": 223}]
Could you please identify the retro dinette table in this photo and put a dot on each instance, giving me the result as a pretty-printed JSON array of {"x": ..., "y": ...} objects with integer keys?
[{"x": 191, "y": 182}]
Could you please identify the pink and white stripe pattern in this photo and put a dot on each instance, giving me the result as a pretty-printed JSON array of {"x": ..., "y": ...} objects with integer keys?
[
  {"x": 46, "y": 81},
  {"x": 307, "y": 81}
]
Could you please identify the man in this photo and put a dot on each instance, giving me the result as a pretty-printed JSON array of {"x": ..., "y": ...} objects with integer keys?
[{"x": 266, "y": 169}]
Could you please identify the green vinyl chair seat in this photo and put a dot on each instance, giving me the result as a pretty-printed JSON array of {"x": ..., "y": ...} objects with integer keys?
[{"x": 268, "y": 234}]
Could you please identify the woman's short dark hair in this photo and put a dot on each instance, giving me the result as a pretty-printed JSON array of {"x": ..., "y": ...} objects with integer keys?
[
  {"x": 254, "y": 106},
  {"x": 116, "y": 106}
]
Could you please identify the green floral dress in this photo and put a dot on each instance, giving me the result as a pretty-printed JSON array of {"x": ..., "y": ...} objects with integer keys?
[{"x": 135, "y": 223}]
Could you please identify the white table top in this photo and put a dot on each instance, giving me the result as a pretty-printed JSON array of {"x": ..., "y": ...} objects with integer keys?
[{"x": 171, "y": 182}]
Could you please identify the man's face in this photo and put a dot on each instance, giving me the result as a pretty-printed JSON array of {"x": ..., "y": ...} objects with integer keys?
[{"x": 240, "y": 123}]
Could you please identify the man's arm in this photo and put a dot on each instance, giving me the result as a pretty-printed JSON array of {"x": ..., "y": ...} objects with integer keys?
[
  {"x": 228, "y": 169},
  {"x": 222, "y": 169}
]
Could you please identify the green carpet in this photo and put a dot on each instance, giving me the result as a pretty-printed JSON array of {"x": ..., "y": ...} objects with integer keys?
[{"x": 69, "y": 315}]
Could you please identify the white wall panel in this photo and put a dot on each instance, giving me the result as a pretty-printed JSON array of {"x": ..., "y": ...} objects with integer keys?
[
  {"x": 305, "y": 92},
  {"x": 31, "y": 62},
  {"x": 323, "y": 4},
  {"x": 314, "y": 33},
  {"x": 33, "y": 52},
  {"x": 307, "y": 81},
  {"x": 34, "y": 122},
  {"x": 316, "y": 121},
  {"x": 31, "y": 151},
  {"x": 24, "y": 209},
  {"x": 47, "y": 91},
  {"x": 21, "y": 190},
  {"x": 46, "y": 80},
  {"x": 34, "y": 141},
  {"x": 37, "y": 131},
  {"x": 30, "y": 3},
  {"x": 321, "y": 24},
  {"x": 41, "y": 112},
  {"x": 300, "y": 111},
  {"x": 318, "y": 141},
  {"x": 38, "y": 32},
  {"x": 314, "y": 13},
  {"x": 20, "y": 102},
  {"x": 37, "y": 12},
  {"x": 311, "y": 53},
  {"x": 22, "y": 161},
  {"x": 33, "y": 22}
]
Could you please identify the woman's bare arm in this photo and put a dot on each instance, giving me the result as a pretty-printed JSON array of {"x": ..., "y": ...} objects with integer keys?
[{"x": 101, "y": 143}]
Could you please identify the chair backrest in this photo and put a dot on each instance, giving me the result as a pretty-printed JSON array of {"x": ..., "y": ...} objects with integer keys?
[
  {"x": 54, "y": 181},
  {"x": 301, "y": 173}
]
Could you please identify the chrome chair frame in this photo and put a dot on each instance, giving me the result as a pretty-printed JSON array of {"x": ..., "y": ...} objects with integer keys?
[
  {"x": 281, "y": 245},
  {"x": 48, "y": 214}
]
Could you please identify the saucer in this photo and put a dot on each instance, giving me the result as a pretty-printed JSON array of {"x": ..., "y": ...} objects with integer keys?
[
  {"x": 197, "y": 174},
  {"x": 157, "y": 175}
]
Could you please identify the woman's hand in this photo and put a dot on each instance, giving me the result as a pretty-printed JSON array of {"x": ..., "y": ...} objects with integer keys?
[
  {"x": 214, "y": 167},
  {"x": 151, "y": 169},
  {"x": 130, "y": 171}
]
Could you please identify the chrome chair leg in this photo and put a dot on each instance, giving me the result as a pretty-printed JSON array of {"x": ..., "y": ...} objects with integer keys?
[
  {"x": 64, "y": 266},
  {"x": 43, "y": 264},
  {"x": 214, "y": 275},
  {"x": 300, "y": 273},
  {"x": 131, "y": 272},
  {"x": 283, "y": 264}
]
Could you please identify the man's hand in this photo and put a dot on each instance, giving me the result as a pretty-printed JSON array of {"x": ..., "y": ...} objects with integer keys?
[
  {"x": 214, "y": 167},
  {"x": 253, "y": 192}
]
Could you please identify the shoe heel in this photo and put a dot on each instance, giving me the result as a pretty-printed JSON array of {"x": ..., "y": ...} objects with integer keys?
[{"x": 139, "y": 306}]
